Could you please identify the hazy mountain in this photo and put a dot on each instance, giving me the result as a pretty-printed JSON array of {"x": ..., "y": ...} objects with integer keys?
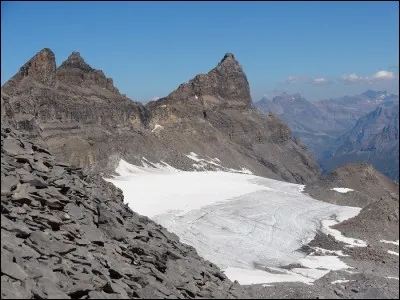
[
  {"x": 347, "y": 110},
  {"x": 373, "y": 139},
  {"x": 319, "y": 124}
]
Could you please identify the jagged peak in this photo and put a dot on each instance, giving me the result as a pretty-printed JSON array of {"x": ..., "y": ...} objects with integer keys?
[
  {"x": 228, "y": 55},
  {"x": 75, "y": 70},
  {"x": 41, "y": 68},
  {"x": 75, "y": 60},
  {"x": 226, "y": 82},
  {"x": 229, "y": 60}
]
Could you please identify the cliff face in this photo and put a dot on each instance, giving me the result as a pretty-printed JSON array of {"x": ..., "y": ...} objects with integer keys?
[
  {"x": 76, "y": 111},
  {"x": 66, "y": 234}
]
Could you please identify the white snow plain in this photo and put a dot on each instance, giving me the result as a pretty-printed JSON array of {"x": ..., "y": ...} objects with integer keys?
[{"x": 249, "y": 226}]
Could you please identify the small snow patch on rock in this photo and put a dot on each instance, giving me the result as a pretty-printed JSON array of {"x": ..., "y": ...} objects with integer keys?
[
  {"x": 342, "y": 190},
  {"x": 157, "y": 127}
]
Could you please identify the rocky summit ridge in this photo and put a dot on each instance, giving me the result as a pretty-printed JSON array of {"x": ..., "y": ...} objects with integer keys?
[
  {"x": 225, "y": 85},
  {"x": 77, "y": 113}
]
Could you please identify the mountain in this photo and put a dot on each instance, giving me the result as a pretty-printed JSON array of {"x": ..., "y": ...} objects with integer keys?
[
  {"x": 77, "y": 112},
  {"x": 67, "y": 234},
  {"x": 347, "y": 110},
  {"x": 314, "y": 128},
  {"x": 374, "y": 139},
  {"x": 319, "y": 124}
]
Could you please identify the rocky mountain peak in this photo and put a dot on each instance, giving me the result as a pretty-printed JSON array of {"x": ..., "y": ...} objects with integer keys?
[
  {"x": 226, "y": 85},
  {"x": 75, "y": 60},
  {"x": 41, "y": 68},
  {"x": 228, "y": 64},
  {"x": 228, "y": 58},
  {"x": 75, "y": 70}
]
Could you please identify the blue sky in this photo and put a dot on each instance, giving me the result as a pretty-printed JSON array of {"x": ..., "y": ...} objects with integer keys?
[{"x": 320, "y": 49}]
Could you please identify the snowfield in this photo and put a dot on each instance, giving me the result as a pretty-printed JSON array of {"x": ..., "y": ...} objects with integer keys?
[{"x": 249, "y": 226}]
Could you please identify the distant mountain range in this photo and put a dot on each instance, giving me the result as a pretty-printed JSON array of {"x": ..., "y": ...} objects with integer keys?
[
  {"x": 326, "y": 126},
  {"x": 374, "y": 139}
]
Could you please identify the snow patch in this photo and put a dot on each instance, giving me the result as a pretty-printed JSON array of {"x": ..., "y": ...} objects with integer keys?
[
  {"x": 196, "y": 97},
  {"x": 340, "y": 281},
  {"x": 202, "y": 164},
  {"x": 319, "y": 251},
  {"x": 323, "y": 262},
  {"x": 157, "y": 127},
  {"x": 390, "y": 242},
  {"x": 351, "y": 242},
  {"x": 393, "y": 252},
  {"x": 245, "y": 276},
  {"x": 351, "y": 272},
  {"x": 342, "y": 190},
  {"x": 390, "y": 277}
]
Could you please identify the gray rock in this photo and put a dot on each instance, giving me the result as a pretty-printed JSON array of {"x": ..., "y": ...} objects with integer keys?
[
  {"x": 19, "y": 228},
  {"x": 80, "y": 290},
  {"x": 21, "y": 193},
  {"x": 13, "y": 270},
  {"x": 34, "y": 181},
  {"x": 97, "y": 295},
  {"x": 148, "y": 292},
  {"x": 51, "y": 290},
  {"x": 339, "y": 293},
  {"x": 13, "y": 290},
  {"x": 93, "y": 234},
  {"x": 8, "y": 182},
  {"x": 13, "y": 147},
  {"x": 36, "y": 269},
  {"x": 39, "y": 166},
  {"x": 112, "y": 287},
  {"x": 74, "y": 211}
]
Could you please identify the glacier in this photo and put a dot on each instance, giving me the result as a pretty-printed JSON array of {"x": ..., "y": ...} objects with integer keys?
[{"x": 247, "y": 225}]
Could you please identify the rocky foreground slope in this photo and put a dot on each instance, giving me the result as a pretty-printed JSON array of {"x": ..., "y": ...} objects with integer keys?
[
  {"x": 376, "y": 194},
  {"x": 83, "y": 119},
  {"x": 66, "y": 234}
]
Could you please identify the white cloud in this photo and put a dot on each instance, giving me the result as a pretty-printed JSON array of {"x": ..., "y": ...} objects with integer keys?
[
  {"x": 292, "y": 79},
  {"x": 385, "y": 75},
  {"x": 296, "y": 79},
  {"x": 306, "y": 79},
  {"x": 352, "y": 78},
  {"x": 378, "y": 76},
  {"x": 319, "y": 81}
]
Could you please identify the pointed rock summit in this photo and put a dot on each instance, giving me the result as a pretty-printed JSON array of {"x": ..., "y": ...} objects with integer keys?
[
  {"x": 41, "y": 68},
  {"x": 226, "y": 85},
  {"x": 75, "y": 61},
  {"x": 74, "y": 70}
]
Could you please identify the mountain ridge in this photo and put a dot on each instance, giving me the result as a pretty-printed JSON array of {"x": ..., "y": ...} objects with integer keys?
[{"x": 84, "y": 120}]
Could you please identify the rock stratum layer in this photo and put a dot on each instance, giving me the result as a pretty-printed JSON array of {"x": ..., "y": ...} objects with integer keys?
[
  {"x": 66, "y": 234},
  {"x": 77, "y": 113}
]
